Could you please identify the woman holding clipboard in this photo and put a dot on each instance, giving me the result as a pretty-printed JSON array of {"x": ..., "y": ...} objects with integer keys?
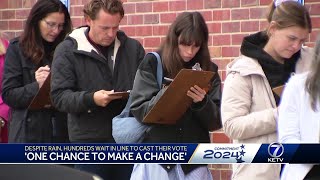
[
  {"x": 27, "y": 66},
  {"x": 186, "y": 45}
]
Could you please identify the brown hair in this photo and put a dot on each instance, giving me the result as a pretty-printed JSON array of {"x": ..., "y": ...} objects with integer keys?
[
  {"x": 31, "y": 39},
  {"x": 288, "y": 14},
  {"x": 188, "y": 28},
  {"x": 313, "y": 81},
  {"x": 111, "y": 6}
]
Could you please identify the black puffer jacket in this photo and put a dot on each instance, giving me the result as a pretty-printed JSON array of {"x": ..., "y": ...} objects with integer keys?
[{"x": 78, "y": 71}]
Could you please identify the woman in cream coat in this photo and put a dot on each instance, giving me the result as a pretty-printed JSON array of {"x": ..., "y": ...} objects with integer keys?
[
  {"x": 299, "y": 117},
  {"x": 249, "y": 106}
]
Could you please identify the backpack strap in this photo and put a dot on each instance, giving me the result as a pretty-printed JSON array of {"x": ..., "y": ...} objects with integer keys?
[
  {"x": 126, "y": 111},
  {"x": 159, "y": 68}
]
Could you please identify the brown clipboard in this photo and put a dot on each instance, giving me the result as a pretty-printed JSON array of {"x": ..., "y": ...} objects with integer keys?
[
  {"x": 278, "y": 90},
  {"x": 124, "y": 95},
  {"x": 174, "y": 102},
  {"x": 42, "y": 98}
]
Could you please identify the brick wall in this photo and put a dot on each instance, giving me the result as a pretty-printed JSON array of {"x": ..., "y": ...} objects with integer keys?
[{"x": 148, "y": 20}]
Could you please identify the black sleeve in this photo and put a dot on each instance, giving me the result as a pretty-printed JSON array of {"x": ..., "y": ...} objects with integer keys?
[
  {"x": 145, "y": 92},
  {"x": 208, "y": 110},
  {"x": 15, "y": 93},
  {"x": 64, "y": 92}
]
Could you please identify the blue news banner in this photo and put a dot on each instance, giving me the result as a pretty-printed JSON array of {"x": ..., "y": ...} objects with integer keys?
[{"x": 159, "y": 153}]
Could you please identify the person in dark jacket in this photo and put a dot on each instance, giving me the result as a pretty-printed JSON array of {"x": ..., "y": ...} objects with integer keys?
[
  {"x": 27, "y": 66},
  {"x": 186, "y": 44},
  {"x": 89, "y": 65}
]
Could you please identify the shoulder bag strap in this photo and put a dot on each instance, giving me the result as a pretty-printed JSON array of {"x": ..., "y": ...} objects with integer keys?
[{"x": 159, "y": 69}]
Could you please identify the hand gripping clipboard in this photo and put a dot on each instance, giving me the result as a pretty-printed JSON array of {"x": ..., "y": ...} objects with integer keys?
[
  {"x": 175, "y": 102},
  {"x": 124, "y": 94},
  {"x": 42, "y": 98}
]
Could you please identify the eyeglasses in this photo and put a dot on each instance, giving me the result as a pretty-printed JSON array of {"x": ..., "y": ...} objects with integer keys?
[{"x": 54, "y": 26}]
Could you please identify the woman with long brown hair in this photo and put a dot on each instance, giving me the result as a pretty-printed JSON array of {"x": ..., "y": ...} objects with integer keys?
[
  {"x": 27, "y": 66},
  {"x": 186, "y": 45}
]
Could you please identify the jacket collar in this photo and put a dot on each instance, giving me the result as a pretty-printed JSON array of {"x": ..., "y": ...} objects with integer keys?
[
  {"x": 84, "y": 45},
  {"x": 246, "y": 66}
]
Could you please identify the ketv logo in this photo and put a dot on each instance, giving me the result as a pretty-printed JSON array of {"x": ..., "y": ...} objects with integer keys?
[{"x": 275, "y": 150}]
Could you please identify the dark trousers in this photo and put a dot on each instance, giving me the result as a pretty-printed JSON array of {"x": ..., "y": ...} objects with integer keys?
[
  {"x": 108, "y": 171},
  {"x": 60, "y": 128},
  {"x": 314, "y": 173}
]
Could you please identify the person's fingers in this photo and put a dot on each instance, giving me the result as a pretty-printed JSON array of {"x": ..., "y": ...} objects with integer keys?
[
  {"x": 43, "y": 74},
  {"x": 193, "y": 96},
  {"x": 45, "y": 68},
  {"x": 198, "y": 92}
]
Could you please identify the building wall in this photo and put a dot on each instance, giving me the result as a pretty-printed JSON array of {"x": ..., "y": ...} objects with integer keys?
[{"x": 148, "y": 21}]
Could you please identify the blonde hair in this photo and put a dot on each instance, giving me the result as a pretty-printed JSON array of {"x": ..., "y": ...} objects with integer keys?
[{"x": 288, "y": 14}]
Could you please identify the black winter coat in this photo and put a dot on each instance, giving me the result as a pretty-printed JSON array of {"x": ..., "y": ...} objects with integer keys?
[
  {"x": 78, "y": 71},
  {"x": 19, "y": 88}
]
